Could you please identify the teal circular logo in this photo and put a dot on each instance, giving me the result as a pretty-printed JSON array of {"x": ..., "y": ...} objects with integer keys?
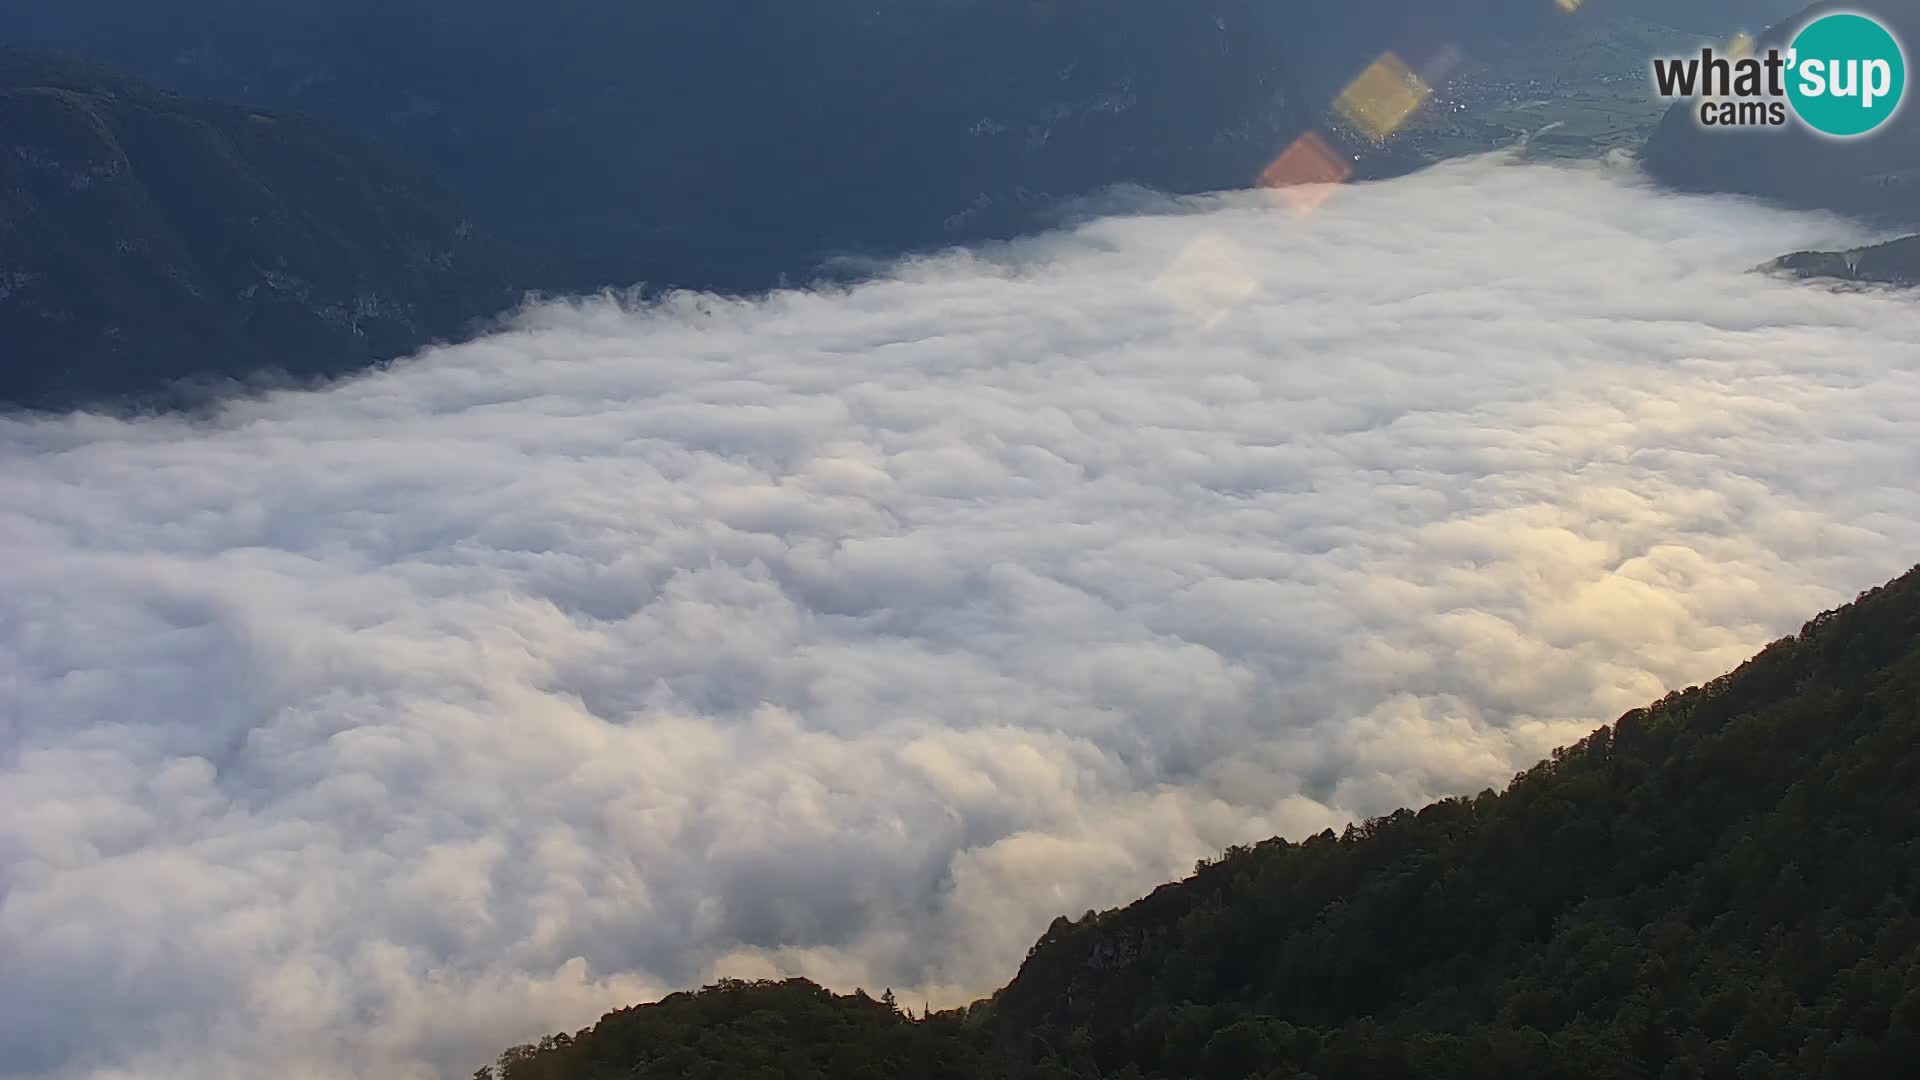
[{"x": 1847, "y": 74}]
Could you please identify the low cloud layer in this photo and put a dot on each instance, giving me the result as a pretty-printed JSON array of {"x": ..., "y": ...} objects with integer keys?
[{"x": 858, "y": 634}]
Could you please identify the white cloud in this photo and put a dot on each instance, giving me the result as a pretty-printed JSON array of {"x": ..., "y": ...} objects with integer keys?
[{"x": 857, "y": 634}]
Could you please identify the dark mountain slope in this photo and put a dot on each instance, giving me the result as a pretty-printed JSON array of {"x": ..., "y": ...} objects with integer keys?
[
  {"x": 1680, "y": 820},
  {"x": 722, "y": 144},
  {"x": 1725, "y": 884},
  {"x": 146, "y": 237},
  {"x": 1896, "y": 262},
  {"x": 726, "y": 143}
]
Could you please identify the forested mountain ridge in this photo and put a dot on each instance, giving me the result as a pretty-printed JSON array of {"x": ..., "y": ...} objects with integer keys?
[
  {"x": 146, "y": 237},
  {"x": 1725, "y": 884}
]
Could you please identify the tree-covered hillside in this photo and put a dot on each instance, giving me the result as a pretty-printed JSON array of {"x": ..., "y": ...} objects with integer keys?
[
  {"x": 146, "y": 237},
  {"x": 1724, "y": 885}
]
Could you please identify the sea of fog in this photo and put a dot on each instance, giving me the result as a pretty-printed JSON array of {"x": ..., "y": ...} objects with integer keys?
[{"x": 856, "y": 634}]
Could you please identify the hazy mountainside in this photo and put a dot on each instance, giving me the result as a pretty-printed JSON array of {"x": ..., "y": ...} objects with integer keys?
[
  {"x": 726, "y": 143},
  {"x": 1725, "y": 884},
  {"x": 722, "y": 144},
  {"x": 1875, "y": 177},
  {"x": 1578, "y": 92},
  {"x": 1326, "y": 44},
  {"x": 146, "y": 237}
]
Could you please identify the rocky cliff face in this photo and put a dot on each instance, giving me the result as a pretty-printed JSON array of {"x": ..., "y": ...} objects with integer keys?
[{"x": 146, "y": 237}]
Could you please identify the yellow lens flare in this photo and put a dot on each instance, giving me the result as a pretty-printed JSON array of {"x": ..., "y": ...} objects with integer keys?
[
  {"x": 1383, "y": 98},
  {"x": 1307, "y": 173},
  {"x": 1740, "y": 47},
  {"x": 1568, "y": 6}
]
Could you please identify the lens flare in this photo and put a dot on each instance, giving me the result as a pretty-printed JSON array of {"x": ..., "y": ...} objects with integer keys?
[
  {"x": 1383, "y": 97},
  {"x": 1307, "y": 173}
]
